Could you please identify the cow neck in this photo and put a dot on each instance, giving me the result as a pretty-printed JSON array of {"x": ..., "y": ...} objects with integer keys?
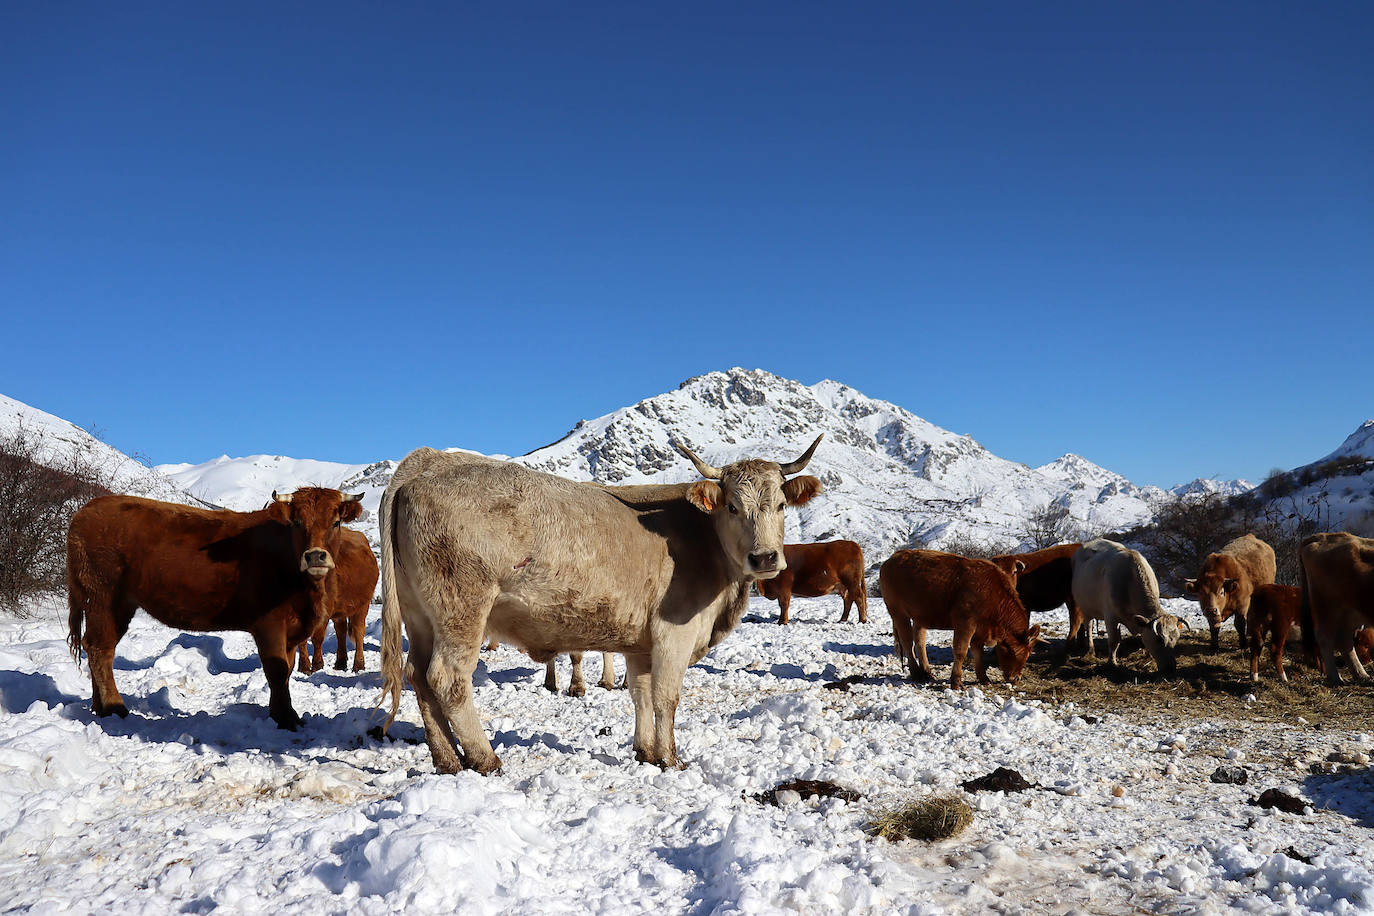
[{"x": 731, "y": 612}]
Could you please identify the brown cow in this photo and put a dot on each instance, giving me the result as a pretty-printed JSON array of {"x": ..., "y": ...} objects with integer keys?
[
  {"x": 348, "y": 593},
  {"x": 196, "y": 569},
  {"x": 1337, "y": 597},
  {"x": 1228, "y": 578},
  {"x": 1045, "y": 580},
  {"x": 1273, "y": 611},
  {"x": 826, "y": 568},
  {"x": 927, "y": 589}
]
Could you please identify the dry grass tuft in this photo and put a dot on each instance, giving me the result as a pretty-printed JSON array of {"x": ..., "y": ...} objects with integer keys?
[{"x": 936, "y": 817}]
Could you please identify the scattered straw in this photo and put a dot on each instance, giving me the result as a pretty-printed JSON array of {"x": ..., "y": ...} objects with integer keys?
[{"x": 936, "y": 817}]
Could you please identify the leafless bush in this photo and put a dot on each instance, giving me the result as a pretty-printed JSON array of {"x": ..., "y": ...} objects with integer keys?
[
  {"x": 41, "y": 487},
  {"x": 968, "y": 546},
  {"x": 1049, "y": 526}
]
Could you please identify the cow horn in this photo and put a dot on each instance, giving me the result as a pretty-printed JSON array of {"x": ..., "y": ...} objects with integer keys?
[
  {"x": 1184, "y": 624},
  {"x": 353, "y": 497},
  {"x": 704, "y": 469},
  {"x": 281, "y": 499},
  {"x": 796, "y": 466}
]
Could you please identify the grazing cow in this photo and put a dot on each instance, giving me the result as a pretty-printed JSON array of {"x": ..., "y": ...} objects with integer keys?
[
  {"x": 577, "y": 686},
  {"x": 830, "y": 567},
  {"x": 348, "y": 594},
  {"x": 1337, "y": 597},
  {"x": 262, "y": 572},
  {"x": 1170, "y": 629},
  {"x": 1228, "y": 578},
  {"x": 1273, "y": 611},
  {"x": 1114, "y": 584},
  {"x": 930, "y": 590},
  {"x": 658, "y": 573}
]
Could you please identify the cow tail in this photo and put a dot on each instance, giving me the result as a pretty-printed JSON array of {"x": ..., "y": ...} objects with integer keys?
[
  {"x": 78, "y": 597},
  {"x": 392, "y": 677}
]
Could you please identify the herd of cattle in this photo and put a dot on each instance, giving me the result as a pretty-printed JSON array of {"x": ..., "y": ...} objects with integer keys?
[{"x": 476, "y": 550}]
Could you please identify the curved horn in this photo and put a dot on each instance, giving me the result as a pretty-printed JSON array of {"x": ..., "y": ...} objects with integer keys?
[
  {"x": 794, "y": 466},
  {"x": 353, "y": 497},
  {"x": 1183, "y": 624},
  {"x": 704, "y": 469},
  {"x": 281, "y": 499}
]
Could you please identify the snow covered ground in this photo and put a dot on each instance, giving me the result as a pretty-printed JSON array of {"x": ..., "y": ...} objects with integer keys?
[{"x": 197, "y": 801}]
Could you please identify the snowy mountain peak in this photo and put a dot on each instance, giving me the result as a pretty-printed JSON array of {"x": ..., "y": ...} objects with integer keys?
[{"x": 1360, "y": 443}]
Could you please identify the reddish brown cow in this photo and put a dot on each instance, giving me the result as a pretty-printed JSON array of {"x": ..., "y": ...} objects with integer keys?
[
  {"x": 830, "y": 567},
  {"x": 196, "y": 569},
  {"x": 1046, "y": 579},
  {"x": 1228, "y": 578},
  {"x": 927, "y": 589},
  {"x": 1273, "y": 611},
  {"x": 348, "y": 594},
  {"x": 1337, "y": 598}
]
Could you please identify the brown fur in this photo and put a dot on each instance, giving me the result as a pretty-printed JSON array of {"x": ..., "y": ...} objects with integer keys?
[
  {"x": 830, "y": 567},
  {"x": 348, "y": 595},
  {"x": 1337, "y": 598},
  {"x": 1227, "y": 580},
  {"x": 201, "y": 570},
  {"x": 1273, "y": 611},
  {"x": 927, "y": 589}
]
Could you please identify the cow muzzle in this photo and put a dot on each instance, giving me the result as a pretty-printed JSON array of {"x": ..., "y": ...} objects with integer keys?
[
  {"x": 766, "y": 564},
  {"x": 317, "y": 562}
]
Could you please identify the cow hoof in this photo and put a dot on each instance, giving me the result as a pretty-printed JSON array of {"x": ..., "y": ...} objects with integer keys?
[
  {"x": 290, "y": 723},
  {"x": 358, "y": 668},
  {"x": 118, "y": 709},
  {"x": 485, "y": 766},
  {"x": 340, "y": 666},
  {"x": 577, "y": 691}
]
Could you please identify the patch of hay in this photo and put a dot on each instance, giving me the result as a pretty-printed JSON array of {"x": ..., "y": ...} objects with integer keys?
[{"x": 936, "y": 817}]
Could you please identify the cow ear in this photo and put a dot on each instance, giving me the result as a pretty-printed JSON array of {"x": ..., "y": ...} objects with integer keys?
[
  {"x": 706, "y": 495},
  {"x": 1230, "y": 585},
  {"x": 1033, "y": 636},
  {"x": 1190, "y": 586},
  {"x": 352, "y": 509},
  {"x": 801, "y": 490},
  {"x": 1017, "y": 568}
]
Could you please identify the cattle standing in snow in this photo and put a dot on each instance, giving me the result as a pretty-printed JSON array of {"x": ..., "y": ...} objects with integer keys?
[
  {"x": 1273, "y": 611},
  {"x": 1228, "y": 578},
  {"x": 930, "y": 590},
  {"x": 262, "y": 572},
  {"x": 1045, "y": 579},
  {"x": 577, "y": 686},
  {"x": 1114, "y": 584},
  {"x": 1337, "y": 597},
  {"x": 830, "y": 567},
  {"x": 660, "y": 574},
  {"x": 348, "y": 594}
]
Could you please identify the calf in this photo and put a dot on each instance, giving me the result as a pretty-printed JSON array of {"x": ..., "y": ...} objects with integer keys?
[
  {"x": 927, "y": 589},
  {"x": 1114, "y": 584},
  {"x": 1337, "y": 598},
  {"x": 1228, "y": 578},
  {"x": 348, "y": 594},
  {"x": 1273, "y": 611},
  {"x": 830, "y": 567}
]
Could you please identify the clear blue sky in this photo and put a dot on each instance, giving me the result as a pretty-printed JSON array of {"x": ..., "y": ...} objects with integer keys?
[{"x": 1142, "y": 232}]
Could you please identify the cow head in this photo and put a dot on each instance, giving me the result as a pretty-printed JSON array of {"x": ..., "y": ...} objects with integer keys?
[
  {"x": 1012, "y": 566},
  {"x": 312, "y": 513},
  {"x": 1167, "y": 627},
  {"x": 1154, "y": 633},
  {"x": 1012, "y": 654},
  {"x": 1217, "y": 589},
  {"x": 746, "y": 501}
]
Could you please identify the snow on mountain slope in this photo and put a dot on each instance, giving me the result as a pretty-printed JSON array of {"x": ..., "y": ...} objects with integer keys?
[
  {"x": 892, "y": 479},
  {"x": 1333, "y": 492},
  {"x": 58, "y": 441}
]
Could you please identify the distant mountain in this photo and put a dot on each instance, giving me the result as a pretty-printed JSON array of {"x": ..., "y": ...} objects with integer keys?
[
  {"x": 57, "y": 441},
  {"x": 1333, "y": 492},
  {"x": 892, "y": 479}
]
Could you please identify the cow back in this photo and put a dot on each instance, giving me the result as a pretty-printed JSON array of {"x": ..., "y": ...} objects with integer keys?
[
  {"x": 935, "y": 589},
  {"x": 1046, "y": 582}
]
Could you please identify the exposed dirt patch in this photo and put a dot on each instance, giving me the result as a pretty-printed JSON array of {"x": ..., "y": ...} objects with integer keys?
[
  {"x": 1001, "y": 779},
  {"x": 807, "y": 788}
]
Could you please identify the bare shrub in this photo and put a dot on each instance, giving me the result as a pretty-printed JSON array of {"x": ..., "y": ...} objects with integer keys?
[
  {"x": 965, "y": 545},
  {"x": 1049, "y": 526},
  {"x": 41, "y": 487}
]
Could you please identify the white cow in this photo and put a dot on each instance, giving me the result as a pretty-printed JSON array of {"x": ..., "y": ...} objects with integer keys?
[{"x": 1114, "y": 584}]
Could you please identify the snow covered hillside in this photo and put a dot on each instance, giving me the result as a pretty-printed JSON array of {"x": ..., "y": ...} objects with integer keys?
[
  {"x": 1335, "y": 491},
  {"x": 892, "y": 479},
  {"x": 197, "y": 802}
]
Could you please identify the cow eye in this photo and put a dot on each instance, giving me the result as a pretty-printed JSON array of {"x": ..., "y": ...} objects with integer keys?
[
  {"x": 781, "y": 506},
  {"x": 733, "y": 510}
]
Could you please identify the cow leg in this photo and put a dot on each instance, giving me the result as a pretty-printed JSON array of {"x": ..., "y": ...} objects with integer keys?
[
  {"x": 1256, "y": 647},
  {"x": 443, "y": 746},
  {"x": 358, "y": 629},
  {"x": 317, "y": 646},
  {"x": 919, "y": 638},
  {"x": 1242, "y": 624},
  {"x": 303, "y": 653},
  {"x": 639, "y": 679},
  {"x": 450, "y": 675},
  {"x": 668, "y": 669},
  {"x": 784, "y": 602},
  {"x": 1216, "y": 637},
  {"x": 1352, "y": 658},
  {"x": 845, "y": 597},
  {"x": 276, "y": 666},
  {"x": 963, "y": 638},
  {"x": 608, "y": 670},
  {"x": 901, "y": 641},
  {"x": 1279, "y": 639},
  {"x": 341, "y": 643},
  {"x": 551, "y": 675},
  {"x": 1113, "y": 641},
  {"x": 862, "y": 590},
  {"x": 107, "y": 620},
  {"x": 577, "y": 687}
]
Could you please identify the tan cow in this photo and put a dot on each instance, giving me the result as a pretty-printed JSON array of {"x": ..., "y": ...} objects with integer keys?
[
  {"x": 1228, "y": 578},
  {"x": 659, "y": 573},
  {"x": 1114, "y": 584},
  {"x": 1337, "y": 597},
  {"x": 928, "y": 589}
]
